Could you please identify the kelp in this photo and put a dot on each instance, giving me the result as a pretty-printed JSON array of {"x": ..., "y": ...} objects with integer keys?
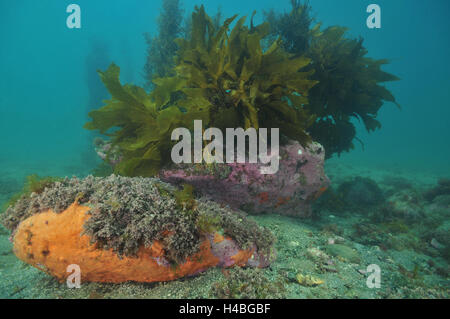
[
  {"x": 185, "y": 198},
  {"x": 161, "y": 49},
  {"x": 223, "y": 78},
  {"x": 239, "y": 83},
  {"x": 350, "y": 84},
  {"x": 136, "y": 125},
  {"x": 308, "y": 83},
  {"x": 293, "y": 27}
]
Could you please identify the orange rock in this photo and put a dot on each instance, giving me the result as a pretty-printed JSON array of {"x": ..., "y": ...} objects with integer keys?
[
  {"x": 263, "y": 197},
  {"x": 51, "y": 242},
  {"x": 218, "y": 238},
  {"x": 282, "y": 201},
  {"x": 242, "y": 257},
  {"x": 320, "y": 192}
]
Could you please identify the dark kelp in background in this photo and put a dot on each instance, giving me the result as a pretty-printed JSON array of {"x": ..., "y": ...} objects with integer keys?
[
  {"x": 349, "y": 83},
  {"x": 161, "y": 49}
]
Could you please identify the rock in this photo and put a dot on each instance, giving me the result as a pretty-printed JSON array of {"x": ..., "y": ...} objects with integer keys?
[
  {"x": 51, "y": 242},
  {"x": 397, "y": 183},
  {"x": 442, "y": 188},
  {"x": 436, "y": 244},
  {"x": 107, "y": 152},
  {"x": 119, "y": 229},
  {"x": 343, "y": 251},
  {"x": 299, "y": 181},
  {"x": 441, "y": 240},
  {"x": 362, "y": 271},
  {"x": 406, "y": 204},
  {"x": 335, "y": 240},
  {"x": 317, "y": 255},
  {"x": 308, "y": 280},
  {"x": 442, "y": 201},
  {"x": 361, "y": 192}
]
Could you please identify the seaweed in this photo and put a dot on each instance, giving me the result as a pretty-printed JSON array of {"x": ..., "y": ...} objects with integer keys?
[
  {"x": 223, "y": 78},
  {"x": 350, "y": 84},
  {"x": 33, "y": 184},
  {"x": 98, "y": 57},
  {"x": 293, "y": 27},
  {"x": 136, "y": 126},
  {"x": 309, "y": 83},
  {"x": 185, "y": 197},
  {"x": 161, "y": 49},
  {"x": 207, "y": 223},
  {"x": 239, "y": 83},
  {"x": 24, "y": 203},
  {"x": 128, "y": 213},
  {"x": 247, "y": 284}
]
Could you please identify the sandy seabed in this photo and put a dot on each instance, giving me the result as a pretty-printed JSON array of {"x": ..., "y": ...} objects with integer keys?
[{"x": 406, "y": 270}]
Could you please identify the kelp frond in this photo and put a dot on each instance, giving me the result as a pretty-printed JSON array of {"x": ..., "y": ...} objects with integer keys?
[
  {"x": 135, "y": 124},
  {"x": 221, "y": 77},
  {"x": 350, "y": 86},
  {"x": 243, "y": 86}
]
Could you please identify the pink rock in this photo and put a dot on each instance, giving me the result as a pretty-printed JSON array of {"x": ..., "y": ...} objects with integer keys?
[
  {"x": 226, "y": 249},
  {"x": 105, "y": 151},
  {"x": 299, "y": 181}
]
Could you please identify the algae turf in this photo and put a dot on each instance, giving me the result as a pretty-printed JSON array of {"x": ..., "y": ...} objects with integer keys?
[
  {"x": 33, "y": 184},
  {"x": 247, "y": 284},
  {"x": 127, "y": 213}
]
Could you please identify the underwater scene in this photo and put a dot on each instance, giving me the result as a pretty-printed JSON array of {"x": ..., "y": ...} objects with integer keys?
[{"x": 211, "y": 149}]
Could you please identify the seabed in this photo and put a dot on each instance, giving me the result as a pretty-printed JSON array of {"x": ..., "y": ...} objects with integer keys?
[{"x": 409, "y": 267}]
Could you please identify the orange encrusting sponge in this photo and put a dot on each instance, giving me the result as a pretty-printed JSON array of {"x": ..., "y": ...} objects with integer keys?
[{"x": 51, "y": 242}]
